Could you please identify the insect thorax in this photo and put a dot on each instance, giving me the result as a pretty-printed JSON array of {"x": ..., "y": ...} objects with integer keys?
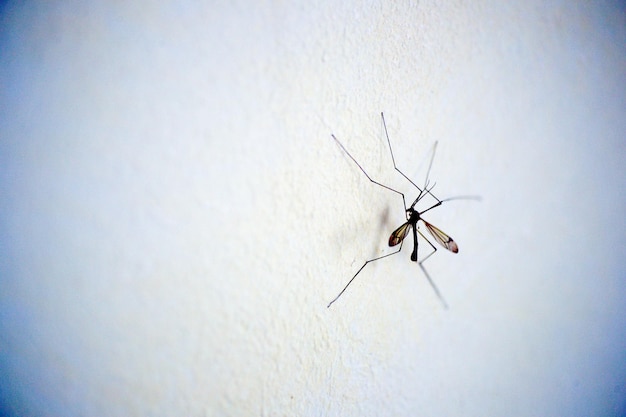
[{"x": 413, "y": 215}]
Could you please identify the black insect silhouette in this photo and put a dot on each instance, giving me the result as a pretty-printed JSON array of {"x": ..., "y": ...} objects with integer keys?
[{"x": 412, "y": 218}]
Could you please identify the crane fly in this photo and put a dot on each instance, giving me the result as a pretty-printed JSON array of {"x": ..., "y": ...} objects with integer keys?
[{"x": 412, "y": 218}]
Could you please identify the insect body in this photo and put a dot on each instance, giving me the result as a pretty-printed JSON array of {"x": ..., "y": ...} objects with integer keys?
[
  {"x": 412, "y": 218},
  {"x": 413, "y": 215}
]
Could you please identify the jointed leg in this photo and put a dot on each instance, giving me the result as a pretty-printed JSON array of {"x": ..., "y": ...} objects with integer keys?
[
  {"x": 360, "y": 269},
  {"x": 432, "y": 283},
  {"x": 366, "y": 174}
]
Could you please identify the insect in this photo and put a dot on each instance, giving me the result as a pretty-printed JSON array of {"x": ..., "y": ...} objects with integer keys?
[{"x": 412, "y": 218}]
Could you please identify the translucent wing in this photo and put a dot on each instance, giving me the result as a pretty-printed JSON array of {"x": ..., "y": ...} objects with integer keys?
[
  {"x": 443, "y": 239},
  {"x": 399, "y": 234}
]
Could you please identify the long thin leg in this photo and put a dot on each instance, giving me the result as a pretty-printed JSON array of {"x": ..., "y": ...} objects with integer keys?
[
  {"x": 432, "y": 284},
  {"x": 430, "y": 281},
  {"x": 393, "y": 159},
  {"x": 430, "y": 165},
  {"x": 360, "y": 269},
  {"x": 439, "y": 202},
  {"x": 463, "y": 197},
  {"x": 366, "y": 174},
  {"x": 431, "y": 245},
  {"x": 382, "y": 185},
  {"x": 422, "y": 194}
]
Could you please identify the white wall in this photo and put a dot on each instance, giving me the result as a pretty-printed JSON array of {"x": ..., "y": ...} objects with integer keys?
[{"x": 175, "y": 215}]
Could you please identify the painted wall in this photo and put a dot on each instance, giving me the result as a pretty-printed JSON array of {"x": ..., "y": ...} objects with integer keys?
[{"x": 176, "y": 216}]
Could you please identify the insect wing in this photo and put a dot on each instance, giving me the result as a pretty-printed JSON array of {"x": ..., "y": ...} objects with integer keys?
[
  {"x": 399, "y": 234},
  {"x": 443, "y": 239}
]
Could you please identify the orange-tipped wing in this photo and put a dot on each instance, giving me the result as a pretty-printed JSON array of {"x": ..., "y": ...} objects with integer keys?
[
  {"x": 443, "y": 239},
  {"x": 399, "y": 234}
]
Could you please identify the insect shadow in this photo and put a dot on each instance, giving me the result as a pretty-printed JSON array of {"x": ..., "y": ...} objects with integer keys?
[{"x": 412, "y": 218}]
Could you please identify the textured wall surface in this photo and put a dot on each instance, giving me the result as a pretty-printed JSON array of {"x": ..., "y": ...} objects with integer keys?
[{"x": 175, "y": 216}]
